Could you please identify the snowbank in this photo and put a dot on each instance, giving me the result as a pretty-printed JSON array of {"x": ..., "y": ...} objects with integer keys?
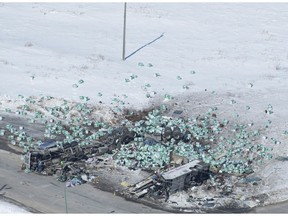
[{"x": 6, "y": 207}]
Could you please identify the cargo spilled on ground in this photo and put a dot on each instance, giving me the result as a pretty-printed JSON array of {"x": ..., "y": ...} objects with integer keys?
[{"x": 81, "y": 143}]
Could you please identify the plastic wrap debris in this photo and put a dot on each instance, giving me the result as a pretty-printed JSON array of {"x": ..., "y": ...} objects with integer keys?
[
  {"x": 74, "y": 182},
  {"x": 252, "y": 180}
]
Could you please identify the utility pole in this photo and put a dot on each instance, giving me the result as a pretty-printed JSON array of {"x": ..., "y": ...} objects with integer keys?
[{"x": 124, "y": 33}]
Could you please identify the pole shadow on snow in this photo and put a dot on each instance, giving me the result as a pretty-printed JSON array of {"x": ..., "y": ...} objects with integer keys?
[{"x": 144, "y": 46}]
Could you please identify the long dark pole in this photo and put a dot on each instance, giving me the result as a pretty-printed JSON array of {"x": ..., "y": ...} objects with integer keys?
[{"x": 124, "y": 33}]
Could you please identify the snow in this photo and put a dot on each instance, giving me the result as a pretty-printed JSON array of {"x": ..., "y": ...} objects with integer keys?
[
  {"x": 227, "y": 45},
  {"x": 237, "y": 50},
  {"x": 6, "y": 207}
]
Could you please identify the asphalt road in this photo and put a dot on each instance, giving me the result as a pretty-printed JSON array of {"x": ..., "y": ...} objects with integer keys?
[{"x": 276, "y": 208}]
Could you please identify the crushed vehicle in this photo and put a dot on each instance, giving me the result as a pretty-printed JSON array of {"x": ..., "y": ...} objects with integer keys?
[
  {"x": 50, "y": 158},
  {"x": 176, "y": 179}
]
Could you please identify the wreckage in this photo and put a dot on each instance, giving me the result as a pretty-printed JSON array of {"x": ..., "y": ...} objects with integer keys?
[
  {"x": 178, "y": 153},
  {"x": 67, "y": 161},
  {"x": 171, "y": 181},
  {"x": 49, "y": 157}
]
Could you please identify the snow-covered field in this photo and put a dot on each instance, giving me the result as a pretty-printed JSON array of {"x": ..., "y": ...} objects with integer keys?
[
  {"x": 70, "y": 50},
  {"x": 46, "y": 48}
]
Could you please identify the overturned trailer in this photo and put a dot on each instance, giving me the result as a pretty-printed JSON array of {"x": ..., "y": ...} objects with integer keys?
[{"x": 48, "y": 156}]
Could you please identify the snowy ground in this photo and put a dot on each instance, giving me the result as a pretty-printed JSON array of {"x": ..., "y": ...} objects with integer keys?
[
  {"x": 237, "y": 50},
  {"x": 227, "y": 45},
  {"x": 6, "y": 207}
]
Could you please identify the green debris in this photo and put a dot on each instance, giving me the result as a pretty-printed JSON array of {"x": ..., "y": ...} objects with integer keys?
[
  {"x": 269, "y": 109},
  {"x": 157, "y": 75},
  {"x": 168, "y": 97},
  {"x": 185, "y": 87},
  {"x": 75, "y": 86},
  {"x": 20, "y": 96},
  {"x": 179, "y": 77},
  {"x": 148, "y": 95},
  {"x": 80, "y": 81},
  {"x": 133, "y": 76},
  {"x": 140, "y": 64}
]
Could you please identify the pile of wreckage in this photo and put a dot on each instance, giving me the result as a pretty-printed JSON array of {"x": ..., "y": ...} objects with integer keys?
[
  {"x": 179, "y": 153},
  {"x": 67, "y": 161},
  {"x": 70, "y": 163}
]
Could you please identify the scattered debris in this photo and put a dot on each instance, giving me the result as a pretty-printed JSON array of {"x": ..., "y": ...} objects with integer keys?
[{"x": 182, "y": 153}]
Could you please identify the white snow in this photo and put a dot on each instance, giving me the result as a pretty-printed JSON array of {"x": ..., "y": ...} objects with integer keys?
[
  {"x": 6, "y": 207},
  {"x": 227, "y": 45},
  {"x": 238, "y": 50}
]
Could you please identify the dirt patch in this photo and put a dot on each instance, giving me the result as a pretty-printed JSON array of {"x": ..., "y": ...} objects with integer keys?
[{"x": 136, "y": 115}]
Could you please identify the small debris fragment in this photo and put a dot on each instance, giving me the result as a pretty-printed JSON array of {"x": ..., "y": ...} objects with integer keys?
[
  {"x": 282, "y": 158},
  {"x": 185, "y": 87},
  {"x": 178, "y": 112},
  {"x": 133, "y": 76},
  {"x": 125, "y": 184},
  {"x": 269, "y": 110}
]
